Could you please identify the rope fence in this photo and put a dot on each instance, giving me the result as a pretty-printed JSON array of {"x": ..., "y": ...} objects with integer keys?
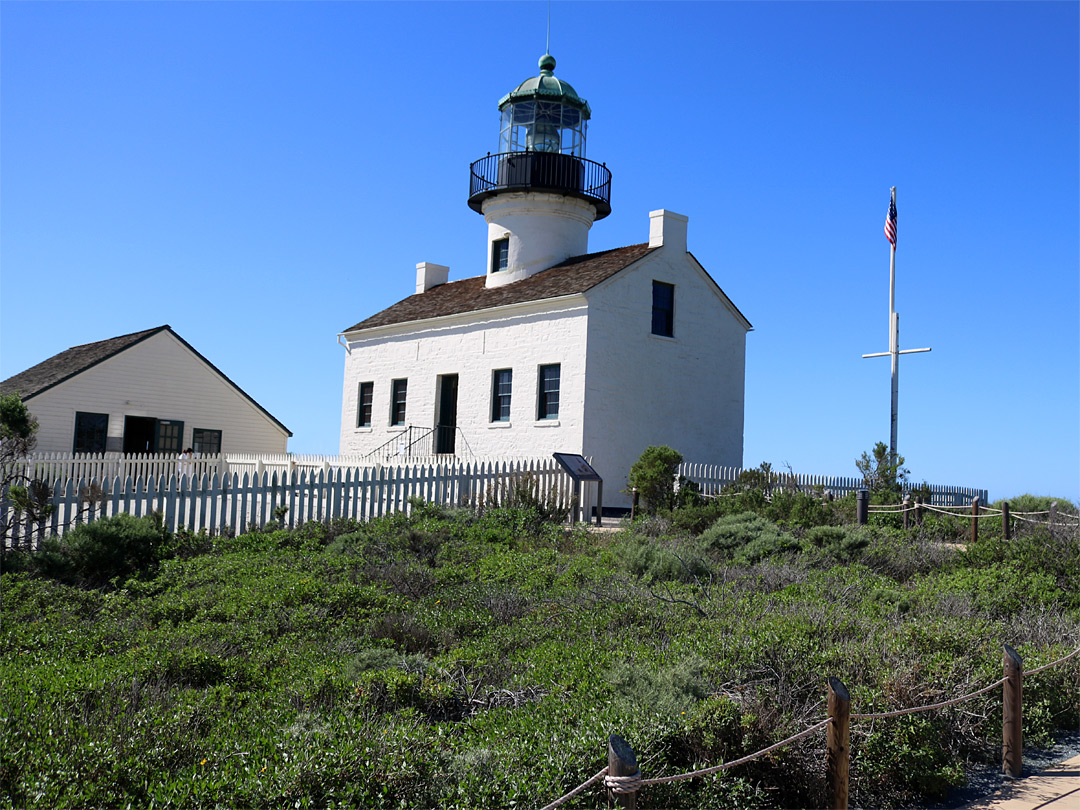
[
  {"x": 959, "y": 511},
  {"x": 622, "y": 777},
  {"x": 918, "y": 709},
  {"x": 1053, "y": 517}
]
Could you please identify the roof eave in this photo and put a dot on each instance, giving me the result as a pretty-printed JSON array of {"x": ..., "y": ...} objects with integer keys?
[{"x": 424, "y": 323}]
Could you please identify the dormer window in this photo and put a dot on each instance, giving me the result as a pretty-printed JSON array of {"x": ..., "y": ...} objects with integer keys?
[{"x": 500, "y": 255}]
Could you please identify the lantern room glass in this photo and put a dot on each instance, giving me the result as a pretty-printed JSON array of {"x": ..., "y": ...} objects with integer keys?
[{"x": 542, "y": 126}]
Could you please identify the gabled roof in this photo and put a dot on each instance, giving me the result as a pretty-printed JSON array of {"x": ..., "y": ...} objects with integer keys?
[
  {"x": 77, "y": 359},
  {"x": 575, "y": 275}
]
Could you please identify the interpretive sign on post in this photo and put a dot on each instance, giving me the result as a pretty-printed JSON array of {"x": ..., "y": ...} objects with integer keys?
[{"x": 581, "y": 471}]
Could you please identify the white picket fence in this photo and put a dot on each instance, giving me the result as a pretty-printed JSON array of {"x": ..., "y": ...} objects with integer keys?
[
  {"x": 236, "y": 502},
  {"x": 57, "y": 466},
  {"x": 235, "y": 492},
  {"x": 711, "y": 479}
]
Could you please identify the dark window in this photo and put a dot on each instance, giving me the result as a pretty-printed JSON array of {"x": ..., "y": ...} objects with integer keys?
[
  {"x": 363, "y": 407},
  {"x": 663, "y": 309},
  {"x": 91, "y": 430},
  {"x": 170, "y": 434},
  {"x": 500, "y": 255},
  {"x": 501, "y": 383},
  {"x": 206, "y": 442},
  {"x": 548, "y": 404},
  {"x": 397, "y": 401}
]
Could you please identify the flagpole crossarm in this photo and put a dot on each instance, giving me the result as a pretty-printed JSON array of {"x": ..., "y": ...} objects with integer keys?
[{"x": 901, "y": 351}]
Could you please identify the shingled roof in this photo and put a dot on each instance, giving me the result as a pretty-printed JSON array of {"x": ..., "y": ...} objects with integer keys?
[
  {"x": 68, "y": 363},
  {"x": 78, "y": 359},
  {"x": 572, "y": 276}
]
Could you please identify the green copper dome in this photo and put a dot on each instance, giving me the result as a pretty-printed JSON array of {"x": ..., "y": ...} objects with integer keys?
[{"x": 546, "y": 87}]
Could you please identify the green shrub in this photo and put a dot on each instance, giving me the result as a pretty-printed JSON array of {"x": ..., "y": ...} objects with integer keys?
[
  {"x": 799, "y": 509},
  {"x": 111, "y": 548},
  {"x": 658, "y": 560},
  {"x": 1035, "y": 503},
  {"x": 929, "y": 768},
  {"x": 842, "y": 543},
  {"x": 747, "y": 538},
  {"x": 665, "y": 691},
  {"x": 693, "y": 519},
  {"x": 653, "y": 476}
]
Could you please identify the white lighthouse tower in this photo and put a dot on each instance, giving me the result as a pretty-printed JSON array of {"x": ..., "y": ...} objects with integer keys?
[{"x": 539, "y": 194}]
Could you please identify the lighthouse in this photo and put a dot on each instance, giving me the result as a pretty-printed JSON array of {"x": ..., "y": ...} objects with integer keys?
[
  {"x": 546, "y": 346},
  {"x": 539, "y": 194}
]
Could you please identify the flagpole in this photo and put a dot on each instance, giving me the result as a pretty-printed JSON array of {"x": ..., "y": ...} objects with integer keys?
[
  {"x": 894, "y": 340},
  {"x": 894, "y": 351}
]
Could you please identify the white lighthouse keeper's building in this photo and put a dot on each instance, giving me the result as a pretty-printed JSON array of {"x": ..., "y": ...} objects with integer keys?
[{"x": 553, "y": 349}]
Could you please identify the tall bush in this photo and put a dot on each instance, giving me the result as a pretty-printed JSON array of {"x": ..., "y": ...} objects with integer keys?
[{"x": 653, "y": 476}]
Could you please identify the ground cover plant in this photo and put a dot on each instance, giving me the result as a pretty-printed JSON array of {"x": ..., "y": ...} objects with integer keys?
[{"x": 463, "y": 659}]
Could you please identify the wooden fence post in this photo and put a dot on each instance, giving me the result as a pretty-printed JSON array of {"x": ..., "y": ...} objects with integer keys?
[
  {"x": 1053, "y": 514},
  {"x": 862, "y": 506},
  {"x": 838, "y": 742},
  {"x": 621, "y": 761},
  {"x": 907, "y": 507},
  {"x": 975, "y": 519},
  {"x": 918, "y": 510},
  {"x": 1012, "y": 736},
  {"x": 1006, "y": 530}
]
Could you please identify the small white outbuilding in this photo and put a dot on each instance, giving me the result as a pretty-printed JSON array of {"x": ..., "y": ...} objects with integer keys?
[
  {"x": 147, "y": 392},
  {"x": 553, "y": 349}
]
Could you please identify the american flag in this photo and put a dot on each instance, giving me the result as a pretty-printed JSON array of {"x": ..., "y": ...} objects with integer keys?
[{"x": 890, "y": 223}]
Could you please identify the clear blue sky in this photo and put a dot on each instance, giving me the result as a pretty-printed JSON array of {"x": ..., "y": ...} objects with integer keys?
[{"x": 263, "y": 175}]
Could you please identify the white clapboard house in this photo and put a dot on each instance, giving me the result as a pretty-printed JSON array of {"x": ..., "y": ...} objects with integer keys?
[
  {"x": 553, "y": 349},
  {"x": 147, "y": 392}
]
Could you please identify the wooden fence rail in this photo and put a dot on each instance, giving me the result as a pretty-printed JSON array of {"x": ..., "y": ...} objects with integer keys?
[
  {"x": 234, "y": 502},
  {"x": 622, "y": 777}
]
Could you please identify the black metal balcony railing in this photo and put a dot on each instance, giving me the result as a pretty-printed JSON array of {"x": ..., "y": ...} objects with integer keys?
[{"x": 540, "y": 171}]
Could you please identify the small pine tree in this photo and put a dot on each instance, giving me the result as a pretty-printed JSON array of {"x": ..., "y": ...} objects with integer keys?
[
  {"x": 879, "y": 473},
  {"x": 653, "y": 475}
]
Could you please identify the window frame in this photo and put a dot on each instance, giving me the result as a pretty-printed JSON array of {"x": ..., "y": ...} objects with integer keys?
[
  {"x": 399, "y": 395},
  {"x": 169, "y": 436},
  {"x": 663, "y": 312},
  {"x": 547, "y": 396},
  {"x": 500, "y": 399},
  {"x": 500, "y": 254},
  {"x": 198, "y": 439},
  {"x": 364, "y": 403},
  {"x": 100, "y": 431}
]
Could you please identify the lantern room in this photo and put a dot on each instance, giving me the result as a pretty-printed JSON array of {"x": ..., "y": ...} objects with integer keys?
[
  {"x": 542, "y": 146},
  {"x": 544, "y": 114}
]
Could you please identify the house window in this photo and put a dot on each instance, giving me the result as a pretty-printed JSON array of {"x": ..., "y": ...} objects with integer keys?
[
  {"x": 206, "y": 442},
  {"x": 500, "y": 255},
  {"x": 91, "y": 430},
  {"x": 501, "y": 383},
  {"x": 548, "y": 389},
  {"x": 170, "y": 434},
  {"x": 663, "y": 309},
  {"x": 364, "y": 397},
  {"x": 397, "y": 401}
]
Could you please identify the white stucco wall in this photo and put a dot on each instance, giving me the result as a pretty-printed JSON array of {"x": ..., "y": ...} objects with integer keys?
[
  {"x": 685, "y": 391},
  {"x": 520, "y": 337},
  {"x": 161, "y": 378}
]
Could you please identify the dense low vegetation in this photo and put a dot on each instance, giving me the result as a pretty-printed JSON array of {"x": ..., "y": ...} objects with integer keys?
[{"x": 455, "y": 659}]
